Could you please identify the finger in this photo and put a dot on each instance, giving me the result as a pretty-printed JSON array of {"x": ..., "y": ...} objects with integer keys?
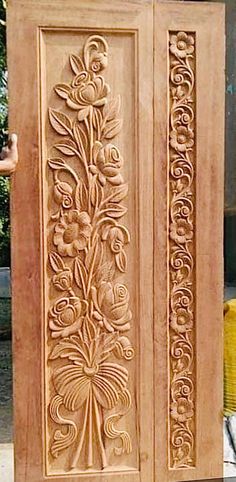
[
  {"x": 4, "y": 152},
  {"x": 12, "y": 144}
]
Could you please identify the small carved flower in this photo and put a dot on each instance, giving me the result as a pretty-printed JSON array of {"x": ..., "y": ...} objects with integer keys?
[
  {"x": 72, "y": 233},
  {"x": 65, "y": 317},
  {"x": 181, "y": 320},
  {"x": 85, "y": 92},
  {"x": 112, "y": 306},
  {"x": 181, "y": 44},
  {"x": 181, "y": 231},
  {"x": 63, "y": 194},
  {"x": 63, "y": 280},
  {"x": 107, "y": 163},
  {"x": 181, "y": 410},
  {"x": 181, "y": 138}
]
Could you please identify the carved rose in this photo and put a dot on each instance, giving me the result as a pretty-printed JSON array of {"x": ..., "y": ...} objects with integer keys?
[
  {"x": 181, "y": 231},
  {"x": 85, "y": 92},
  {"x": 181, "y": 44},
  {"x": 65, "y": 317},
  {"x": 112, "y": 306},
  {"x": 107, "y": 163},
  {"x": 181, "y": 409},
  {"x": 72, "y": 233},
  {"x": 181, "y": 320},
  {"x": 181, "y": 139},
  {"x": 63, "y": 280},
  {"x": 63, "y": 194}
]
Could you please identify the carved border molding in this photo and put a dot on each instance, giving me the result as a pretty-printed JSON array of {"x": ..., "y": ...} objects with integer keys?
[
  {"x": 89, "y": 317},
  {"x": 182, "y": 159}
]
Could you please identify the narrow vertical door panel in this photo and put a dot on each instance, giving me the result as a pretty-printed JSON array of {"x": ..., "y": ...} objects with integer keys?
[
  {"x": 82, "y": 283},
  {"x": 188, "y": 280}
]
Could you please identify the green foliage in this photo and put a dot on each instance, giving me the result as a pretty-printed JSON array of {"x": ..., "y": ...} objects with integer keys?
[{"x": 4, "y": 182}]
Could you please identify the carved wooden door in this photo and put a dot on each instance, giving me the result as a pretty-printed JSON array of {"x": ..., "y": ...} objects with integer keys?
[{"x": 117, "y": 327}]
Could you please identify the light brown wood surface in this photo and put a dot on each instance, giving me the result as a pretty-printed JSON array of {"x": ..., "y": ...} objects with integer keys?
[{"x": 64, "y": 404}]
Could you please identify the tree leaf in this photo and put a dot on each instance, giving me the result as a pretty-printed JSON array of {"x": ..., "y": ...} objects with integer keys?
[
  {"x": 118, "y": 193},
  {"x": 115, "y": 210},
  {"x": 60, "y": 122},
  {"x": 112, "y": 128},
  {"x": 56, "y": 262},
  {"x": 57, "y": 163},
  {"x": 62, "y": 90},
  {"x": 67, "y": 147},
  {"x": 76, "y": 64},
  {"x": 112, "y": 108}
]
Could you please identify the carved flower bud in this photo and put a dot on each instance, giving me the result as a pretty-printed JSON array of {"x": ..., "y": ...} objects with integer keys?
[
  {"x": 63, "y": 280},
  {"x": 124, "y": 348},
  {"x": 98, "y": 62},
  {"x": 63, "y": 194}
]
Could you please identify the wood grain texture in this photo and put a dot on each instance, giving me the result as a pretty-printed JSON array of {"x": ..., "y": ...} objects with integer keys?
[{"x": 208, "y": 260}]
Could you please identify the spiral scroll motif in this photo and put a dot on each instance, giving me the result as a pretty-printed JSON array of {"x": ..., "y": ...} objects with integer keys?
[{"x": 182, "y": 248}]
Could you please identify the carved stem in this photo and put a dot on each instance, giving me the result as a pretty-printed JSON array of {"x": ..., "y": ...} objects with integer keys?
[{"x": 78, "y": 451}]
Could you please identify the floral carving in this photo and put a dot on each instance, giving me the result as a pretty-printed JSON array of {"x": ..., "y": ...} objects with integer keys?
[
  {"x": 182, "y": 248},
  {"x": 88, "y": 319}
]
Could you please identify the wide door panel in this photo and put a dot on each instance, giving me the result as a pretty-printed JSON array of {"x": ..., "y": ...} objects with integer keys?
[{"x": 83, "y": 317}]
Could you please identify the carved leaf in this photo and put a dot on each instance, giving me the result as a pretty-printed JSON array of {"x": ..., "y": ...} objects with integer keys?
[
  {"x": 81, "y": 196},
  {"x": 76, "y": 64},
  {"x": 118, "y": 193},
  {"x": 106, "y": 272},
  {"x": 121, "y": 261},
  {"x": 57, "y": 163},
  {"x": 60, "y": 122},
  {"x": 68, "y": 147},
  {"x": 112, "y": 108},
  {"x": 56, "y": 262},
  {"x": 80, "y": 273},
  {"x": 83, "y": 113},
  {"x": 67, "y": 348},
  {"x": 62, "y": 90},
  {"x": 115, "y": 210},
  {"x": 93, "y": 256},
  {"x": 97, "y": 119},
  {"x": 81, "y": 139},
  {"x": 112, "y": 128}
]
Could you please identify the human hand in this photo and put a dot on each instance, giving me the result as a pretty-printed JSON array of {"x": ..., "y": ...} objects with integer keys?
[{"x": 9, "y": 156}]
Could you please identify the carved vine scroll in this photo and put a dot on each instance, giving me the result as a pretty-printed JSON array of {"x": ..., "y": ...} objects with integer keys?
[
  {"x": 182, "y": 248},
  {"x": 89, "y": 318}
]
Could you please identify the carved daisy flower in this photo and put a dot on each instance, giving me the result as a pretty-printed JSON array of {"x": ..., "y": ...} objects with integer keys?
[
  {"x": 181, "y": 409},
  {"x": 72, "y": 233},
  {"x": 181, "y": 44},
  {"x": 181, "y": 231},
  {"x": 181, "y": 139},
  {"x": 181, "y": 320}
]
